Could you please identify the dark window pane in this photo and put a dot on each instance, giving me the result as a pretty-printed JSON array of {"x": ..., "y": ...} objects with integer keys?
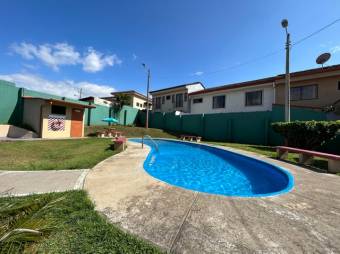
[
  {"x": 58, "y": 110},
  {"x": 163, "y": 99},
  {"x": 219, "y": 101},
  {"x": 168, "y": 97},
  {"x": 294, "y": 93},
  {"x": 198, "y": 100},
  {"x": 179, "y": 100},
  {"x": 254, "y": 98},
  {"x": 158, "y": 103}
]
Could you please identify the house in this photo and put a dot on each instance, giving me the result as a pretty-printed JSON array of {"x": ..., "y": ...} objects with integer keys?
[
  {"x": 315, "y": 88},
  {"x": 174, "y": 98},
  {"x": 256, "y": 95},
  {"x": 54, "y": 118},
  {"x": 97, "y": 101},
  {"x": 136, "y": 100}
]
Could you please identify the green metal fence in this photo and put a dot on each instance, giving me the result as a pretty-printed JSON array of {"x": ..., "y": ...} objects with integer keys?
[
  {"x": 11, "y": 103},
  {"x": 246, "y": 127}
]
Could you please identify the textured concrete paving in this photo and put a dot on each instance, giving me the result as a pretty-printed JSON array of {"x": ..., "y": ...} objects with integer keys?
[
  {"x": 20, "y": 183},
  {"x": 306, "y": 220}
]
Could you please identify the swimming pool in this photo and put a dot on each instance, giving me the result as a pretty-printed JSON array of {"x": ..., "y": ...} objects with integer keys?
[{"x": 212, "y": 170}]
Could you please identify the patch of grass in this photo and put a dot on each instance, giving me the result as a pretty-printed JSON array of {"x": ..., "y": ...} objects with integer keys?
[
  {"x": 130, "y": 131},
  {"x": 269, "y": 151},
  {"x": 67, "y": 223},
  {"x": 54, "y": 154}
]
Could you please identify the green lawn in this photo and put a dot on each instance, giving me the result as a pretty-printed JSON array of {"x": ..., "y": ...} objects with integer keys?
[
  {"x": 130, "y": 131},
  {"x": 54, "y": 154},
  {"x": 62, "y": 223},
  {"x": 270, "y": 151}
]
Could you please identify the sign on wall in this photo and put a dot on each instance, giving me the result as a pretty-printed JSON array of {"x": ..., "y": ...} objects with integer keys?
[{"x": 56, "y": 123}]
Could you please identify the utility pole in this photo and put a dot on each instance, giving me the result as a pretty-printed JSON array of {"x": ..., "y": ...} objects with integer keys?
[
  {"x": 284, "y": 24},
  {"x": 147, "y": 96}
]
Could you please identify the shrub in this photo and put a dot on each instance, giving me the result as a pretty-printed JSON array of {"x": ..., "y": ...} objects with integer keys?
[{"x": 307, "y": 134}]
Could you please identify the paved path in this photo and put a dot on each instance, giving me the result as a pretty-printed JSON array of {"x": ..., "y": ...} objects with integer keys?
[
  {"x": 20, "y": 183},
  {"x": 306, "y": 220}
]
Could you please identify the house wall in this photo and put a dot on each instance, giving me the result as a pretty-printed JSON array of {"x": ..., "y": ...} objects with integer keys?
[
  {"x": 136, "y": 100},
  {"x": 168, "y": 105},
  {"x": 46, "y": 110},
  {"x": 328, "y": 91},
  {"x": 235, "y": 100},
  {"x": 32, "y": 114}
]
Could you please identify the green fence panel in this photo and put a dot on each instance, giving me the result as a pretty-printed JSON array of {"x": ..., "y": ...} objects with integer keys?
[
  {"x": 127, "y": 115},
  {"x": 11, "y": 103},
  {"x": 156, "y": 120},
  {"x": 96, "y": 115},
  {"x": 249, "y": 127},
  {"x": 216, "y": 127},
  {"x": 192, "y": 124},
  {"x": 172, "y": 122}
]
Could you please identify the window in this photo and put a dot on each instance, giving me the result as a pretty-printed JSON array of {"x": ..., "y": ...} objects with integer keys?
[
  {"x": 158, "y": 103},
  {"x": 197, "y": 100},
  {"x": 304, "y": 92},
  {"x": 173, "y": 98},
  {"x": 219, "y": 101},
  {"x": 163, "y": 99},
  {"x": 168, "y": 97},
  {"x": 137, "y": 104},
  {"x": 254, "y": 98},
  {"x": 338, "y": 85},
  {"x": 185, "y": 96},
  {"x": 58, "y": 110},
  {"x": 179, "y": 100}
]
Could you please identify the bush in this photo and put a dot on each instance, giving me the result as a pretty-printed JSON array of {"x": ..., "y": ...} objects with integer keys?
[{"x": 307, "y": 134}]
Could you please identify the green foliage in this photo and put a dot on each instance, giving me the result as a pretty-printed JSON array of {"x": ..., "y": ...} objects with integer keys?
[
  {"x": 120, "y": 101},
  {"x": 73, "y": 226},
  {"x": 307, "y": 134}
]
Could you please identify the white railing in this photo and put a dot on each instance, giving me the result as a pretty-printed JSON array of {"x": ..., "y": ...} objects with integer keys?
[{"x": 153, "y": 142}]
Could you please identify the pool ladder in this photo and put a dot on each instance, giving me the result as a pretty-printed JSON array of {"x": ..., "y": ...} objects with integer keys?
[{"x": 152, "y": 140}]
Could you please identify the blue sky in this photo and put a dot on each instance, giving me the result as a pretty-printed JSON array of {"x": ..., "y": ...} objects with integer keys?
[{"x": 60, "y": 46}]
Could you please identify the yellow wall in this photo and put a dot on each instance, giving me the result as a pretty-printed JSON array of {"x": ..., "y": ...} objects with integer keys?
[
  {"x": 46, "y": 110},
  {"x": 328, "y": 91}
]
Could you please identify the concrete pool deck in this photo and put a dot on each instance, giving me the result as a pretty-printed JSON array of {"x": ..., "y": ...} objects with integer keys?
[{"x": 305, "y": 220}]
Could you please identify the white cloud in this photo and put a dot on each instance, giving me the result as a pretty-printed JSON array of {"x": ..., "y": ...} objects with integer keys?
[
  {"x": 198, "y": 73},
  {"x": 335, "y": 49},
  {"x": 59, "y": 54},
  {"x": 134, "y": 57},
  {"x": 67, "y": 88},
  {"x": 95, "y": 61}
]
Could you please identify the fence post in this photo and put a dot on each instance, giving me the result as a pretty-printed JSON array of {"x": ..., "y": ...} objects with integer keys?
[
  {"x": 203, "y": 125},
  {"x": 125, "y": 116},
  {"x": 266, "y": 131}
]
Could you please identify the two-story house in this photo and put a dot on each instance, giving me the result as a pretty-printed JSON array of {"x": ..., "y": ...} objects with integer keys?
[
  {"x": 174, "y": 98},
  {"x": 136, "y": 100}
]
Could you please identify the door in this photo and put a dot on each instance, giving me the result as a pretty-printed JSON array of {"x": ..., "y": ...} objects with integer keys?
[{"x": 77, "y": 122}]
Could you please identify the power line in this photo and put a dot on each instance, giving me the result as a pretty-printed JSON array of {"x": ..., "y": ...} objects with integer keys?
[
  {"x": 256, "y": 59},
  {"x": 316, "y": 32}
]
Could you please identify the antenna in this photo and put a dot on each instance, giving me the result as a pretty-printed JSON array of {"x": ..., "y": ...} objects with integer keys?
[{"x": 321, "y": 59}]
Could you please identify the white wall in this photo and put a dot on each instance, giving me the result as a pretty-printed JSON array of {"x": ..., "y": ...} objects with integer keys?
[
  {"x": 140, "y": 102},
  {"x": 235, "y": 101},
  {"x": 168, "y": 105}
]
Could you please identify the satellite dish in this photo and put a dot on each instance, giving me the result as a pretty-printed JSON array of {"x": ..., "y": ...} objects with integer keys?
[{"x": 323, "y": 58}]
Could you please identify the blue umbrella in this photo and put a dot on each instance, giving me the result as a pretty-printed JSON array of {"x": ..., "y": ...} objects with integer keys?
[{"x": 110, "y": 120}]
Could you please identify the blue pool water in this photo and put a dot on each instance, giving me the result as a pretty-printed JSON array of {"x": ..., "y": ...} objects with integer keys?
[{"x": 213, "y": 170}]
